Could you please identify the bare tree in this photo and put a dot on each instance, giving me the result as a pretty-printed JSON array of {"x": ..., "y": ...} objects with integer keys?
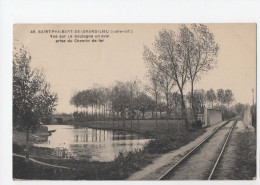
[
  {"x": 199, "y": 51},
  {"x": 167, "y": 57}
]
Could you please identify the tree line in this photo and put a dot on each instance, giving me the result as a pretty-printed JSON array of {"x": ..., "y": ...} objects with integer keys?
[{"x": 131, "y": 100}]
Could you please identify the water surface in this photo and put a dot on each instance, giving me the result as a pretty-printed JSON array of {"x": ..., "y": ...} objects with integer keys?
[{"x": 93, "y": 144}]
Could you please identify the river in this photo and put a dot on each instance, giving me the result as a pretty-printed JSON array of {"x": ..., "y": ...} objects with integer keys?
[{"x": 92, "y": 144}]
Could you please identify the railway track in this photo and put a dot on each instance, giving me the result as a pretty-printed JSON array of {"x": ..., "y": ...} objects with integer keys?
[{"x": 168, "y": 175}]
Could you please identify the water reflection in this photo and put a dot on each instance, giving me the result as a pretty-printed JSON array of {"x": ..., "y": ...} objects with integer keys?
[{"x": 92, "y": 144}]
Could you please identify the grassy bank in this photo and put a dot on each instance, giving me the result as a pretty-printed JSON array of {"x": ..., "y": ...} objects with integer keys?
[
  {"x": 246, "y": 156},
  {"x": 147, "y": 128}
]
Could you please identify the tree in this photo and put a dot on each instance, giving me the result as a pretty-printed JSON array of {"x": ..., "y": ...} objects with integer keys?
[
  {"x": 240, "y": 108},
  {"x": 161, "y": 108},
  {"x": 167, "y": 57},
  {"x": 199, "y": 51},
  {"x": 221, "y": 96},
  {"x": 121, "y": 98},
  {"x": 32, "y": 97},
  {"x": 211, "y": 97},
  {"x": 198, "y": 100},
  {"x": 228, "y": 97},
  {"x": 144, "y": 103},
  {"x": 175, "y": 103}
]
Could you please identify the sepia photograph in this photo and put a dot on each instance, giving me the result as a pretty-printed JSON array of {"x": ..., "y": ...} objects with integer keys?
[{"x": 134, "y": 101}]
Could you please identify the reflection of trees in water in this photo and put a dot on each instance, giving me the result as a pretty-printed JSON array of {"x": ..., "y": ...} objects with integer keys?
[
  {"x": 81, "y": 138},
  {"x": 97, "y": 135}
]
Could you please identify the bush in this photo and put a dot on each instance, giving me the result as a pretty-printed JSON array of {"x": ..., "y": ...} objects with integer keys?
[{"x": 197, "y": 124}]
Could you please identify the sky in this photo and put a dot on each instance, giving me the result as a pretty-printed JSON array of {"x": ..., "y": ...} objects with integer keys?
[{"x": 75, "y": 66}]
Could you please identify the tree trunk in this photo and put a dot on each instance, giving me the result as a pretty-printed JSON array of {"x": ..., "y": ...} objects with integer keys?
[
  {"x": 118, "y": 119},
  {"x": 96, "y": 111},
  {"x": 138, "y": 118},
  {"x": 123, "y": 118},
  {"x": 192, "y": 102},
  {"x": 183, "y": 110},
  {"x": 92, "y": 112},
  {"x": 156, "y": 102},
  {"x": 27, "y": 145}
]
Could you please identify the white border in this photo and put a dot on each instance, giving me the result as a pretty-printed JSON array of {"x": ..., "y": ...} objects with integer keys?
[{"x": 103, "y": 11}]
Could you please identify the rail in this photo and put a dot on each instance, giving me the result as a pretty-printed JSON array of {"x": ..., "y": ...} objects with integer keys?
[{"x": 165, "y": 175}]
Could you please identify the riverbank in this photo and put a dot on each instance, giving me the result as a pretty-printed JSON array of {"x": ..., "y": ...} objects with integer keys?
[
  {"x": 146, "y": 128},
  {"x": 122, "y": 167}
]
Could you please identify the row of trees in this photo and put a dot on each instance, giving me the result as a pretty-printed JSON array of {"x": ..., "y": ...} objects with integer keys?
[
  {"x": 128, "y": 99},
  {"x": 123, "y": 99},
  {"x": 200, "y": 97}
]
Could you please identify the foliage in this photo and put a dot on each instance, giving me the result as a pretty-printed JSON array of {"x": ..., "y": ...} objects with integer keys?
[
  {"x": 240, "y": 108},
  {"x": 175, "y": 103},
  {"x": 166, "y": 143},
  {"x": 33, "y": 100},
  {"x": 221, "y": 96},
  {"x": 199, "y": 100},
  {"x": 211, "y": 97},
  {"x": 228, "y": 96}
]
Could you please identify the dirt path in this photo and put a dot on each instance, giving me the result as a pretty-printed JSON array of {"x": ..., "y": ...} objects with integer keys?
[{"x": 165, "y": 161}]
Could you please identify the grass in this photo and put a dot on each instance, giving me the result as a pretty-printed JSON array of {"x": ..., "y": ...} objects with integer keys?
[
  {"x": 164, "y": 143},
  {"x": 120, "y": 168},
  {"x": 246, "y": 156}
]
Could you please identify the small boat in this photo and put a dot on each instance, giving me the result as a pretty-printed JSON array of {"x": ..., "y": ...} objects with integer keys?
[{"x": 51, "y": 131}]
